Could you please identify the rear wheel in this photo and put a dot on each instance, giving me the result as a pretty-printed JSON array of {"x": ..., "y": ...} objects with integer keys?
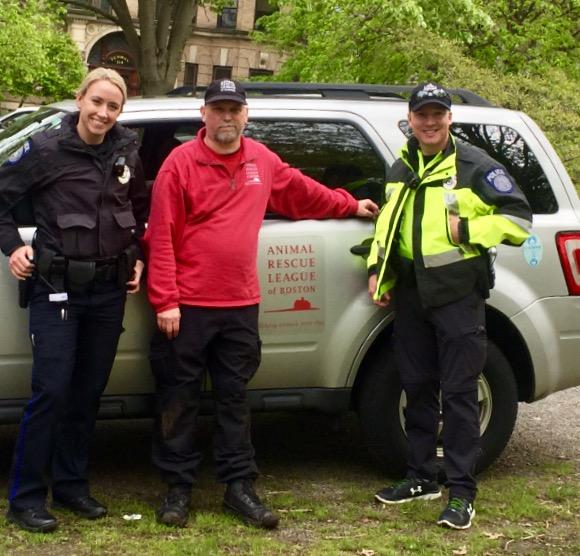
[{"x": 381, "y": 408}]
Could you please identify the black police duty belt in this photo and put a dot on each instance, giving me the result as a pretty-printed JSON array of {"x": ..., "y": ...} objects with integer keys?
[{"x": 75, "y": 274}]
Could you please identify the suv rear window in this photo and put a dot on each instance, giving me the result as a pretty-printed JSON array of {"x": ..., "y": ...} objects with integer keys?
[{"x": 505, "y": 145}]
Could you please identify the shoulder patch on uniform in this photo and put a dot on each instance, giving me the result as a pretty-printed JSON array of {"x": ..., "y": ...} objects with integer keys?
[
  {"x": 18, "y": 154},
  {"x": 500, "y": 180}
]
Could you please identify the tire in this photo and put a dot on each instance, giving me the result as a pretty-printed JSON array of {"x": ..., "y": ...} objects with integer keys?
[
  {"x": 378, "y": 406},
  {"x": 498, "y": 406},
  {"x": 381, "y": 409}
]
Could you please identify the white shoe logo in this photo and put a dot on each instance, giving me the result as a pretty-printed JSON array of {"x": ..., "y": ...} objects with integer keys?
[{"x": 416, "y": 490}]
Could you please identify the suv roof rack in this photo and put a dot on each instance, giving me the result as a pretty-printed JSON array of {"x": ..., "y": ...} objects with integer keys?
[{"x": 337, "y": 91}]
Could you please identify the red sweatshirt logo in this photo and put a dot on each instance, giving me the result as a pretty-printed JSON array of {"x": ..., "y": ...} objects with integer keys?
[{"x": 252, "y": 174}]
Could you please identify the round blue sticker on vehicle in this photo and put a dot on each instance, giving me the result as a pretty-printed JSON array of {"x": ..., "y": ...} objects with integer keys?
[{"x": 533, "y": 250}]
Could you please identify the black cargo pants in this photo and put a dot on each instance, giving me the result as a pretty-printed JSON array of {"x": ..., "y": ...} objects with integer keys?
[
  {"x": 226, "y": 343},
  {"x": 441, "y": 348},
  {"x": 73, "y": 350}
]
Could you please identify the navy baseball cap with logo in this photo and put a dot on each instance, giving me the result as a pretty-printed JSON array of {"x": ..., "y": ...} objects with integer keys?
[
  {"x": 429, "y": 93},
  {"x": 225, "y": 89}
]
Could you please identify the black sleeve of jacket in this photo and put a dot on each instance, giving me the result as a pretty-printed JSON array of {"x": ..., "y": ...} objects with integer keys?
[
  {"x": 512, "y": 203},
  {"x": 17, "y": 180},
  {"x": 140, "y": 199},
  {"x": 492, "y": 183}
]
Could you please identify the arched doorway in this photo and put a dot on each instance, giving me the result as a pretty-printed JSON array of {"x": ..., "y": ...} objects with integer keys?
[{"x": 112, "y": 52}]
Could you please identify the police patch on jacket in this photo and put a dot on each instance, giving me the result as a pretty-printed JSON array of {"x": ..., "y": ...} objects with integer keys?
[
  {"x": 125, "y": 176},
  {"x": 450, "y": 183},
  {"x": 18, "y": 154},
  {"x": 500, "y": 180}
]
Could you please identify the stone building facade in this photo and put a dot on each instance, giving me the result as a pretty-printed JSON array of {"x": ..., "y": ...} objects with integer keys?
[{"x": 219, "y": 46}]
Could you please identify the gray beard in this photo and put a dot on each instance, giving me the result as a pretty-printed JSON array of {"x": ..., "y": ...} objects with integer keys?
[{"x": 227, "y": 137}]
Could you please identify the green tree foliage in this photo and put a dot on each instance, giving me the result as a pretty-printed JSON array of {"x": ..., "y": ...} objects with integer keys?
[
  {"x": 330, "y": 38},
  {"x": 531, "y": 36},
  {"x": 37, "y": 57},
  {"x": 462, "y": 43}
]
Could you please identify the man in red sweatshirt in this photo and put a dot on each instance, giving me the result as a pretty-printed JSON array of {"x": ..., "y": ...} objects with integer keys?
[{"x": 209, "y": 200}]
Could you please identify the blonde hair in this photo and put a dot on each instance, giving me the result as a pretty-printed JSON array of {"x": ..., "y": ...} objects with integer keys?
[{"x": 103, "y": 74}]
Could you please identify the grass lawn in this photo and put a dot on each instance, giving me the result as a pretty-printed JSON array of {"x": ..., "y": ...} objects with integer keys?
[{"x": 317, "y": 476}]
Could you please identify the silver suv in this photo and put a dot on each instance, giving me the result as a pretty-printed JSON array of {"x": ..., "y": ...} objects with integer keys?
[{"x": 325, "y": 345}]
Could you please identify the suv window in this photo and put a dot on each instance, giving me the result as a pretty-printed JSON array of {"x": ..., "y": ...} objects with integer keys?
[
  {"x": 334, "y": 153},
  {"x": 12, "y": 138},
  {"x": 506, "y": 145},
  {"x": 159, "y": 138}
]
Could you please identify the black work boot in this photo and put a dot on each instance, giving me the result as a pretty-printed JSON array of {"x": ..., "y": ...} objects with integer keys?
[
  {"x": 242, "y": 501},
  {"x": 175, "y": 508}
]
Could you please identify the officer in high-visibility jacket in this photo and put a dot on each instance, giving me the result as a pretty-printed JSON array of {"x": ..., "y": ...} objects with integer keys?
[{"x": 446, "y": 204}]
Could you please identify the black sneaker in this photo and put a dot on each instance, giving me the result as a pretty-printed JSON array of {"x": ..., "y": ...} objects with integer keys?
[
  {"x": 175, "y": 508},
  {"x": 241, "y": 500},
  {"x": 458, "y": 514},
  {"x": 37, "y": 520},
  {"x": 409, "y": 489}
]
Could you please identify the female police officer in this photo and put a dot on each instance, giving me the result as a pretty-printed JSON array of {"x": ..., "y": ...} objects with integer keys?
[{"x": 90, "y": 204}]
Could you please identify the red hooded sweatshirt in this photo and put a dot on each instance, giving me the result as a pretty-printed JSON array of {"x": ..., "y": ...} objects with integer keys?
[{"x": 202, "y": 236}]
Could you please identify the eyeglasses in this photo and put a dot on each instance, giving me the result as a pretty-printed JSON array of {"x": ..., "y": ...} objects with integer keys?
[{"x": 437, "y": 93}]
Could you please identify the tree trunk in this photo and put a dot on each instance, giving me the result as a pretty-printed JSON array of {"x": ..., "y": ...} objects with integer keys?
[
  {"x": 156, "y": 88},
  {"x": 162, "y": 44}
]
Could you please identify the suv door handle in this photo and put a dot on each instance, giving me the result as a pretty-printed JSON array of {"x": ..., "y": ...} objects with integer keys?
[{"x": 361, "y": 250}]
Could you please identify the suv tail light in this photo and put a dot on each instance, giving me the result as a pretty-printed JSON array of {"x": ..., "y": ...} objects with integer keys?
[{"x": 568, "y": 244}]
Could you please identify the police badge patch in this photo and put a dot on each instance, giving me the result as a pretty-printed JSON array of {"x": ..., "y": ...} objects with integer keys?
[
  {"x": 125, "y": 176},
  {"x": 499, "y": 180},
  {"x": 18, "y": 154},
  {"x": 450, "y": 183}
]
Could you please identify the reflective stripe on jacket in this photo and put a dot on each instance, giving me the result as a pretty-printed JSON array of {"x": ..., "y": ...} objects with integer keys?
[{"x": 414, "y": 224}]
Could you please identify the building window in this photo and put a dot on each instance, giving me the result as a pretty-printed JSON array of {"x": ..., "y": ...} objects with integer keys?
[
  {"x": 222, "y": 72},
  {"x": 103, "y": 5},
  {"x": 227, "y": 18},
  {"x": 263, "y": 7},
  {"x": 257, "y": 72},
  {"x": 190, "y": 75}
]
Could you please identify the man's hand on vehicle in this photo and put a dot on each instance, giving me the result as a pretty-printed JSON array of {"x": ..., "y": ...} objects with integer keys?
[
  {"x": 133, "y": 285},
  {"x": 385, "y": 299},
  {"x": 168, "y": 322},
  {"x": 20, "y": 262},
  {"x": 367, "y": 208}
]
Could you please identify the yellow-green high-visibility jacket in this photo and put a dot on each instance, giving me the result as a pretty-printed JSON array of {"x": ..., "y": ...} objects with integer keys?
[{"x": 413, "y": 224}]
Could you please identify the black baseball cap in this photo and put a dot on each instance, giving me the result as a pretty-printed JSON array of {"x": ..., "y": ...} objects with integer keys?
[
  {"x": 225, "y": 89},
  {"x": 429, "y": 93}
]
